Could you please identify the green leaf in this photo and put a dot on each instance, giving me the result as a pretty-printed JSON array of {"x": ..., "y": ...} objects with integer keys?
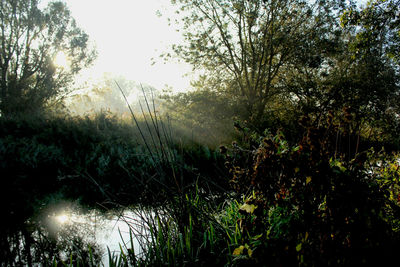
[
  {"x": 238, "y": 251},
  {"x": 250, "y": 252},
  {"x": 248, "y": 208}
]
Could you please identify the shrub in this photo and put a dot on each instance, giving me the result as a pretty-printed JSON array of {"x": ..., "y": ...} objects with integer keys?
[{"x": 312, "y": 206}]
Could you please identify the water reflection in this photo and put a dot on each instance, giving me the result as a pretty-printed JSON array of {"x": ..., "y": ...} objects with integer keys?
[
  {"x": 109, "y": 230},
  {"x": 112, "y": 230},
  {"x": 40, "y": 241},
  {"x": 63, "y": 232}
]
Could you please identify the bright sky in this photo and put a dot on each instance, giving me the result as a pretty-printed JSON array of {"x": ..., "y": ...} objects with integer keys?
[{"x": 127, "y": 35}]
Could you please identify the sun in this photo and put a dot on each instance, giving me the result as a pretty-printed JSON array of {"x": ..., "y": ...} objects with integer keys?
[
  {"x": 61, "y": 60},
  {"x": 62, "y": 218}
]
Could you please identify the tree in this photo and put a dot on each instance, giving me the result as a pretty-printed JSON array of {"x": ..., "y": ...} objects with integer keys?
[
  {"x": 377, "y": 43},
  {"x": 102, "y": 95},
  {"x": 250, "y": 45},
  {"x": 105, "y": 95},
  {"x": 30, "y": 40},
  {"x": 378, "y": 29},
  {"x": 204, "y": 115},
  {"x": 359, "y": 72}
]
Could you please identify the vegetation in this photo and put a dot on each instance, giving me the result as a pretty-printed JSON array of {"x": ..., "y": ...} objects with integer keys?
[
  {"x": 307, "y": 174},
  {"x": 99, "y": 161},
  {"x": 31, "y": 39},
  {"x": 268, "y": 71},
  {"x": 306, "y": 204}
]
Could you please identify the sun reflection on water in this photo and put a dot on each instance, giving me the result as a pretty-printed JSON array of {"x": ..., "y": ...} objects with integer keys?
[{"x": 66, "y": 221}]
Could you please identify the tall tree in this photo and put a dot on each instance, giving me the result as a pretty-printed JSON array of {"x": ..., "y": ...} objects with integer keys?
[
  {"x": 375, "y": 49},
  {"x": 104, "y": 95},
  {"x": 359, "y": 70},
  {"x": 378, "y": 30},
  {"x": 30, "y": 40},
  {"x": 249, "y": 44}
]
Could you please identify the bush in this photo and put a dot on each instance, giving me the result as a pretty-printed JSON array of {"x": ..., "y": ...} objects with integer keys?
[{"x": 312, "y": 206}]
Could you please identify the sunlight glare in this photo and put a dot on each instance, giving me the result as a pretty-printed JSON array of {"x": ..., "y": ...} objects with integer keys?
[
  {"x": 62, "y": 218},
  {"x": 61, "y": 60}
]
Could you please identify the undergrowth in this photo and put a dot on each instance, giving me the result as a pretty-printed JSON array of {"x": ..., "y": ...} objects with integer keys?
[{"x": 304, "y": 203}]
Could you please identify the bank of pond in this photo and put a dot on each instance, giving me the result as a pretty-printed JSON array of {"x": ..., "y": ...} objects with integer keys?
[{"x": 95, "y": 191}]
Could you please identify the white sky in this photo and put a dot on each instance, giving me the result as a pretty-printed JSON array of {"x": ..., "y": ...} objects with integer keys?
[{"x": 127, "y": 35}]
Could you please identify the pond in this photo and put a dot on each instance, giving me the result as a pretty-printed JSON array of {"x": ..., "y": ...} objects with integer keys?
[
  {"x": 108, "y": 230},
  {"x": 66, "y": 229}
]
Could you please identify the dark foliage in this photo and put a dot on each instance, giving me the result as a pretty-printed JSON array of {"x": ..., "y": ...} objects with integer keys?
[
  {"x": 313, "y": 205},
  {"x": 98, "y": 161}
]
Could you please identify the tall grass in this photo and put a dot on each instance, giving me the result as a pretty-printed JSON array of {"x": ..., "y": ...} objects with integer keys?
[
  {"x": 98, "y": 160},
  {"x": 184, "y": 229},
  {"x": 165, "y": 240},
  {"x": 304, "y": 205}
]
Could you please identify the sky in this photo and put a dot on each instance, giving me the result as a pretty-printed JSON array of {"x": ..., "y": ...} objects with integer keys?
[{"x": 129, "y": 35}]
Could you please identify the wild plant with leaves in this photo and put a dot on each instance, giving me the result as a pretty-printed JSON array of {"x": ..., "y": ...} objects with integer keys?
[{"x": 311, "y": 204}]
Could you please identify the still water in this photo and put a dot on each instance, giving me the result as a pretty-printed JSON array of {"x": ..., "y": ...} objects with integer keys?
[
  {"x": 65, "y": 232},
  {"x": 110, "y": 231}
]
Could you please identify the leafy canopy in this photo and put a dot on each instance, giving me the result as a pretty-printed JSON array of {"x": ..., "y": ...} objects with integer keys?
[{"x": 30, "y": 40}]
